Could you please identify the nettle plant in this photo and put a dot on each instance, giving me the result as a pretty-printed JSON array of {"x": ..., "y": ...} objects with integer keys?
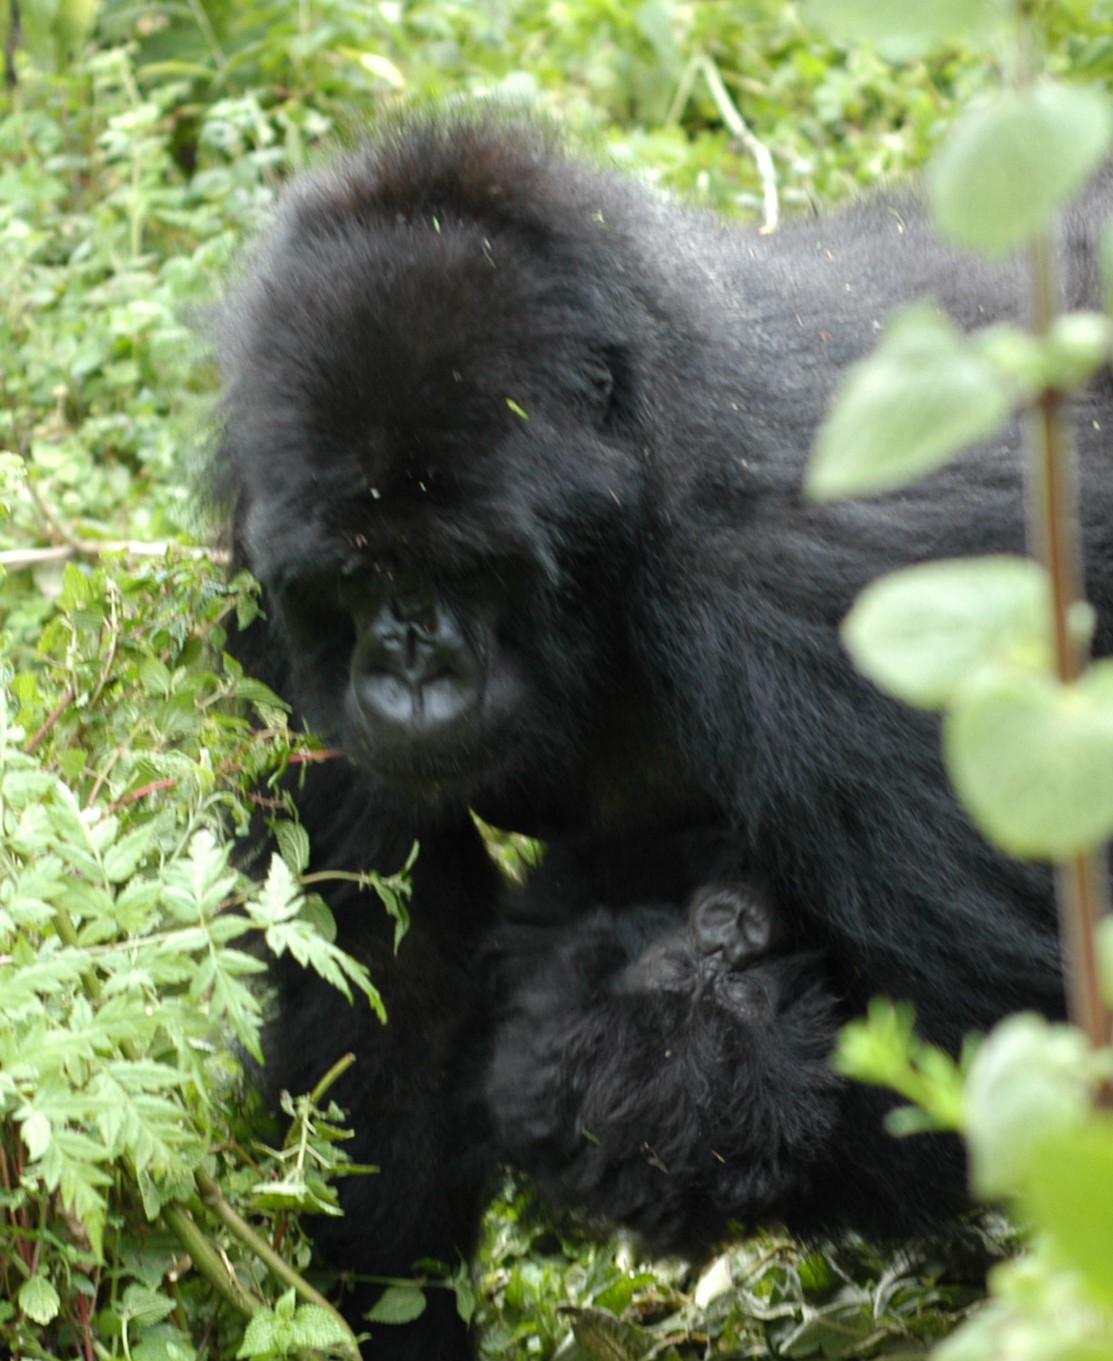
[
  {"x": 138, "y": 1210},
  {"x": 1000, "y": 646}
]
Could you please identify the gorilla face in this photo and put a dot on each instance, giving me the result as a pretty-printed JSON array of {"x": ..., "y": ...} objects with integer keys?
[{"x": 427, "y": 500}]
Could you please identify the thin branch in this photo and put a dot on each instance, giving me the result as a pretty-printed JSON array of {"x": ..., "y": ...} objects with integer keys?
[
  {"x": 214, "y": 1199},
  {"x": 702, "y": 65},
  {"x": 1082, "y": 882},
  {"x": 16, "y": 559}
]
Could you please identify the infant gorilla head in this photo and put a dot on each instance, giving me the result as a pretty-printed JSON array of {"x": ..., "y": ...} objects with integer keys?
[{"x": 729, "y": 928}]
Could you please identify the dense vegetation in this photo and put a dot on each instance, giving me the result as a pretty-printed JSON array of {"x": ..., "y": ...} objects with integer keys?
[{"x": 135, "y": 155}]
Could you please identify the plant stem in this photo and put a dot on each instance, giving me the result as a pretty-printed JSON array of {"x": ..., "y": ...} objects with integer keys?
[
  {"x": 213, "y": 1198},
  {"x": 207, "y": 1259},
  {"x": 1082, "y": 882}
]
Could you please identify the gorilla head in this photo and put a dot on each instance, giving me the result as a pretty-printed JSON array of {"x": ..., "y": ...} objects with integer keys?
[{"x": 429, "y": 396}]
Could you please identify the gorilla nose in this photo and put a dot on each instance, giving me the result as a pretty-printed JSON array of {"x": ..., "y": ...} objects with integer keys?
[{"x": 413, "y": 673}]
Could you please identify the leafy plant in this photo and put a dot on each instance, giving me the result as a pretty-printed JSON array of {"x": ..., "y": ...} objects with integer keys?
[
  {"x": 124, "y": 972},
  {"x": 1001, "y": 645}
]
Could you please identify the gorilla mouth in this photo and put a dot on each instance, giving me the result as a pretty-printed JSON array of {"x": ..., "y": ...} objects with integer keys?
[{"x": 425, "y": 748}]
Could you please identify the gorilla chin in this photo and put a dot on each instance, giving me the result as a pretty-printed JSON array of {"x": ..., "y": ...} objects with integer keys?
[{"x": 515, "y": 445}]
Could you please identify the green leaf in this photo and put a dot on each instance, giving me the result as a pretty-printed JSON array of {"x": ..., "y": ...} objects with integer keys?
[
  {"x": 923, "y": 396},
  {"x": 1030, "y": 1080},
  {"x": 398, "y": 1304},
  {"x": 315, "y": 1327},
  {"x": 162, "y": 1344},
  {"x": 1006, "y": 168},
  {"x": 922, "y": 633},
  {"x": 144, "y": 1307},
  {"x": 293, "y": 844},
  {"x": 902, "y": 28},
  {"x": 602, "y": 1337},
  {"x": 39, "y": 1300},
  {"x": 37, "y": 1133},
  {"x": 1032, "y": 760},
  {"x": 122, "y": 857},
  {"x": 259, "y": 1335},
  {"x": 1070, "y": 1193}
]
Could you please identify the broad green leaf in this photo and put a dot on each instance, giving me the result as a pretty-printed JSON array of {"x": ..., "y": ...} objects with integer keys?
[
  {"x": 902, "y": 28},
  {"x": 143, "y": 1306},
  {"x": 602, "y": 1337},
  {"x": 398, "y": 1304},
  {"x": 39, "y": 1300},
  {"x": 1006, "y": 168},
  {"x": 1032, "y": 760},
  {"x": 1070, "y": 1193},
  {"x": 925, "y": 394},
  {"x": 293, "y": 843},
  {"x": 160, "y": 1344},
  {"x": 1029, "y": 1080},
  {"x": 921, "y": 633},
  {"x": 259, "y": 1336},
  {"x": 316, "y": 1328}
]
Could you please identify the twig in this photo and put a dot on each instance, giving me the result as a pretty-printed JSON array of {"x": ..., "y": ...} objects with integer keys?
[
  {"x": 702, "y": 65},
  {"x": 16, "y": 559},
  {"x": 213, "y": 1198},
  {"x": 1082, "y": 882}
]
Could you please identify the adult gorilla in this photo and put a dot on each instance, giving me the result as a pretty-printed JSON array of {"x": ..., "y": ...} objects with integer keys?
[{"x": 515, "y": 447}]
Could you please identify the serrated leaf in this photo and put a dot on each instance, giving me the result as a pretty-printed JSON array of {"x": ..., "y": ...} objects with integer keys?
[
  {"x": 39, "y": 1300},
  {"x": 923, "y": 396},
  {"x": 293, "y": 844},
  {"x": 1032, "y": 760},
  {"x": 923, "y": 632},
  {"x": 315, "y": 1327},
  {"x": 122, "y": 858},
  {"x": 606, "y": 1338},
  {"x": 144, "y": 1306},
  {"x": 398, "y": 1304},
  {"x": 160, "y": 1344},
  {"x": 154, "y": 676},
  {"x": 1005, "y": 169},
  {"x": 258, "y": 1336}
]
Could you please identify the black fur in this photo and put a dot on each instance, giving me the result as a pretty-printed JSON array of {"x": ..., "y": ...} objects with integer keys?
[{"x": 515, "y": 446}]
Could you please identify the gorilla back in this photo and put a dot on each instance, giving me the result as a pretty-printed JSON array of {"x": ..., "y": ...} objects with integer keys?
[{"x": 515, "y": 447}]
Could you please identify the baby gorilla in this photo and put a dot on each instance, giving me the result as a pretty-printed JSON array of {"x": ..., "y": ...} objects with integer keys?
[
  {"x": 696, "y": 1004},
  {"x": 729, "y": 926}
]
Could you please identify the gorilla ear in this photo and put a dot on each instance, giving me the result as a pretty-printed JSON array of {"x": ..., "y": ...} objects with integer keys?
[
  {"x": 607, "y": 378},
  {"x": 601, "y": 380}
]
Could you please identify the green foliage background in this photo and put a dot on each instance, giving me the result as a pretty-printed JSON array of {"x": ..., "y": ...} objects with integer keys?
[{"x": 138, "y": 146}]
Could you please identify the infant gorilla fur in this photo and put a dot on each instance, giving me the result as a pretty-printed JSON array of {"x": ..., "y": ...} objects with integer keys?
[{"x": 514, "y": 445}]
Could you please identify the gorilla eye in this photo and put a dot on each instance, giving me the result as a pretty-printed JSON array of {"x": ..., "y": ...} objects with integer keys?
[{"x": 305, "y": 600}]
